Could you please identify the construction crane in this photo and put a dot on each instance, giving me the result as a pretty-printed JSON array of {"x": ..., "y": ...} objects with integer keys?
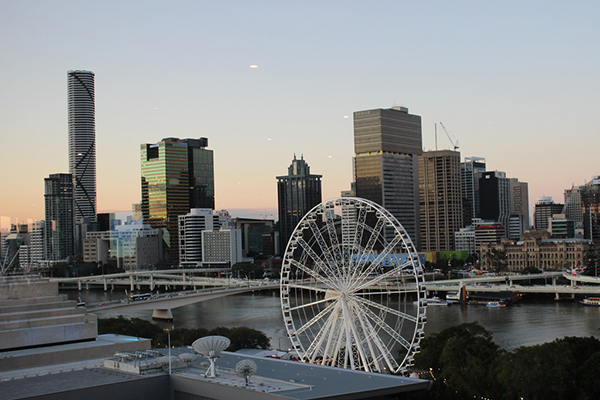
[{"x": 453, "y": 142}]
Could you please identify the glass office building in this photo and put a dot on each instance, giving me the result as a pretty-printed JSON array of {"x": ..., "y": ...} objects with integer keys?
[
  {"x": 60, "y": 217},
  {"x": 297, "y": 193},
  {"x": 177, "y": 175}
]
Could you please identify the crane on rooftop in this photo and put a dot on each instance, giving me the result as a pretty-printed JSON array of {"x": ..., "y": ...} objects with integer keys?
[{"x": 454, "y": 142}]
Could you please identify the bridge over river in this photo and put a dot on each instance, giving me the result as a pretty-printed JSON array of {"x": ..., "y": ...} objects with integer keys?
[
  {"x": 204, "y": 288},
  {"x": 578, "y": 284},
  {"x": 162, "y": 304}
]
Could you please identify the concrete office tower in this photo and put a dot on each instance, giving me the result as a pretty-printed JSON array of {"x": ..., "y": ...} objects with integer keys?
[
  {"x": 471, "y": 170},
  {"x": 590, "y": 199},
  {"x": 543, "y": 211},
  {"x": 297, "y": 193},
  {"x": 573, "y": 209},
  {"x": 440, "y": 199},
  {"x": 222, "y": 248},
  {"x": 60, "y": 216},
  {"x": 519, "y": 209},
  {"x": 191, "y": 226},
  {"x": 82, "y": 143},
  {"x": 177, "y": 175},
  {"x": 387, "y": 143}
]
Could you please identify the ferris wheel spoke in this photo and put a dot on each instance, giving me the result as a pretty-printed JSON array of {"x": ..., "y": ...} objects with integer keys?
[
  {"x": 360, "y": 221},
  {"x": 313, "y": 273},
  {"x": 322, "y": 265},
  {"x": 314, "y": 303},
  {"x": 316, "y": 318},
  {"x": 368, "y": 250},
  {"x": 330, "y": 340},
  {"x": 364, "y": 341},
  {"x": 333, "y": 239},
  {"x": 375, "y": 343},
  {"x": 313, "y": 351},
  {"x": 387, "y": 309},
  {"x": 384, "y": 276},
  {"x": 379, "y": 259},
  {"x": 311, "y": 287},
  {"x": 325, "y": 249},
  {"x": 388, "y": 329},
  {"x": 336, "y": 355},
  {"x": 385, "y": 292}
]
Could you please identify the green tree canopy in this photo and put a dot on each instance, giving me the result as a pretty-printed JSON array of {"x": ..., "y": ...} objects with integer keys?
[{"x": 461, "y": 359}]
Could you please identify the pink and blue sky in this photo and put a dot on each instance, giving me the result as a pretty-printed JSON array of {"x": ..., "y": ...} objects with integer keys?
[{"x": 515, "y": 82}]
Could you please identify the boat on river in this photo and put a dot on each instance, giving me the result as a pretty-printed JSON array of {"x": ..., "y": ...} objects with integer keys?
[
  {"x": 495, "y": 304},
  {"x": 436, "y": 301},
  {"x": 588, "y": 301}
]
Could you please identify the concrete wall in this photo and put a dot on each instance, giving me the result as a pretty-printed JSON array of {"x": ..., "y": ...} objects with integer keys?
[
  {"x": 150, "y": 388},
  {"x": 18, "y": 289},
  {"x": 187, "y": 388},
  {"x": 103, "y": 347}
]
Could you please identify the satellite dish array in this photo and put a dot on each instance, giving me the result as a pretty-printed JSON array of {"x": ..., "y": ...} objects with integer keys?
[{"x": 211, "y": 347}]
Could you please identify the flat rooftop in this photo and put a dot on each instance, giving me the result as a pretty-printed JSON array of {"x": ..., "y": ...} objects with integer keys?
[{"x": 274, "y": 379}]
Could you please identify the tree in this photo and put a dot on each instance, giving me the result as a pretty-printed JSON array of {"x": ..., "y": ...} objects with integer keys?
[
  {"x": 247, "y": 338},
  {"x": 537, "y": 372},
  {"x": 246, "y": 269},
  {"x": 497, "y": 259},
  {"x": 462, "y": 359}
]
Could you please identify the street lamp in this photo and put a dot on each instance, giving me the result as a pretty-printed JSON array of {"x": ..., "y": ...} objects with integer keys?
[{"x": 169, "y": 344}]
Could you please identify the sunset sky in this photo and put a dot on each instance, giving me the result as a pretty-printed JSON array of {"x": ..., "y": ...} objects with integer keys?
[{"x": 515, "y": 82}]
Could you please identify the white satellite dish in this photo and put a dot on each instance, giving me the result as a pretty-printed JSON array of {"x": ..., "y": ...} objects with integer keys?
[
  {"x": 188, "y": 358},
  {"x": 245, "y": 369},
  {"x": 164, "y": 361},
  {"x": 211, "y": 347}
]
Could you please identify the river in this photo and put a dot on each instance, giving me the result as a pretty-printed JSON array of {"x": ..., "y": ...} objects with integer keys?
[{"x": 532, "y": 321}]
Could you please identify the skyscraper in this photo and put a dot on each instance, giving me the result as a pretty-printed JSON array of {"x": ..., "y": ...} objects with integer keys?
[
  {"x": 440, "y": 199},
  {"x": 387, "y": 143},
  {"x": 297, "y": 193},
  {"x": 590, "y": 199},
  {"x": 519, "y": 209},
  {"x": 494, "y": 197},
  {"x": 201, "y": 173},
  {"x": 177, "y": 175},
  {"x": 82, "y": 143},
  {"x": 60, "y": 217},
  {"x": 543, "y": 211},
  {"x": 471, "y": 170}
]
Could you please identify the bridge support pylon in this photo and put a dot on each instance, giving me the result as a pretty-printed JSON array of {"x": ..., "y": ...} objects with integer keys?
[{"x": 164, "y": 315}]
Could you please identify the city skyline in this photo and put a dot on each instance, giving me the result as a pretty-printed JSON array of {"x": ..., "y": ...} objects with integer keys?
[{"x": 518, "y": 89}]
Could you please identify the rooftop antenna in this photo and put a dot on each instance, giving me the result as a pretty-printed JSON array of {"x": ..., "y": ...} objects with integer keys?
[
  {"x": 211, "y": 347},
  {"x": 435, "y": 125},
  {"x": 245, "y": 369}
]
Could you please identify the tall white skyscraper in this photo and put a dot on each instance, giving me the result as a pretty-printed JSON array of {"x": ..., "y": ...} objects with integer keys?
[{"x": 82, "y": 143}]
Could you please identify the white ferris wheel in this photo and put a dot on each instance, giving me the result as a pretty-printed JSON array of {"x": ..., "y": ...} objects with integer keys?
[{"x": 352, "y": 291}]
